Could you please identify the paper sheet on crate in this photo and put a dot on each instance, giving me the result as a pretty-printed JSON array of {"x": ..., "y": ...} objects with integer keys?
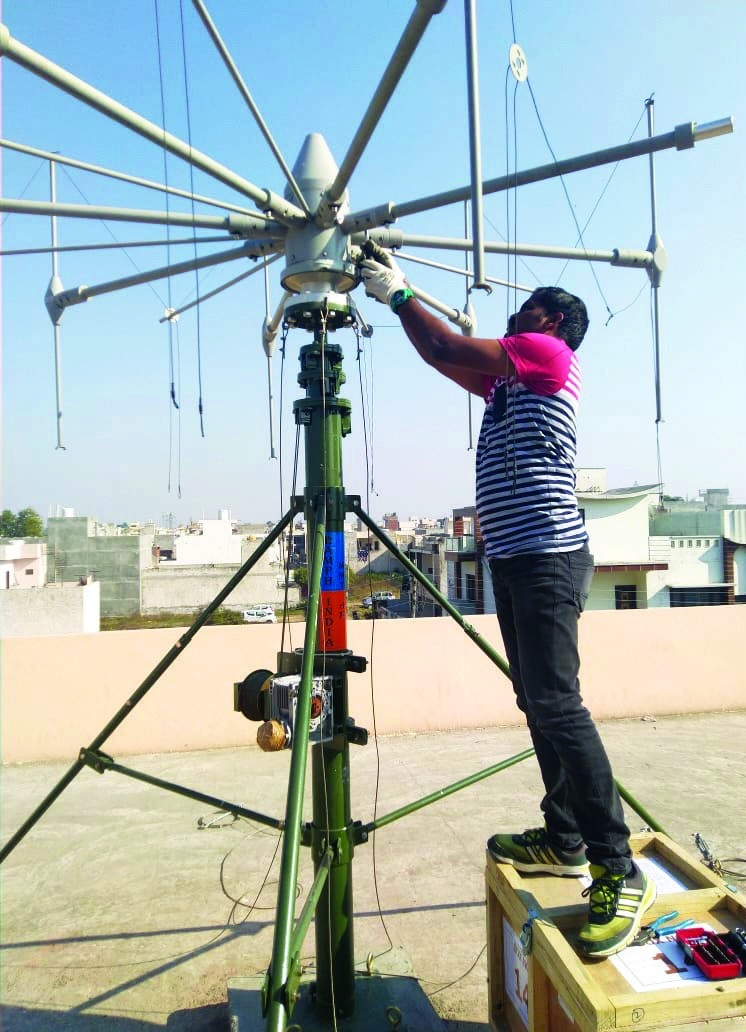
[{"x": 657, "y": 965}]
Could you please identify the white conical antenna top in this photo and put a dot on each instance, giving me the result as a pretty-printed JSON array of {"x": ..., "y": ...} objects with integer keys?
[{"x": 314, "y": 169}]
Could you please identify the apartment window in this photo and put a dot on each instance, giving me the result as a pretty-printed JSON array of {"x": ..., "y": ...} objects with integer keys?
[
  {"x": 681, "y": 544},
  {"x": 625, "y": 596},
  {"x": 29, "y": 572},
  {"x": 689, "y": 543},
  {"x": 699, "y": 596},
  {"x": 699, "y": 543},
  {"x": 673, "y": 543},
  {"x": 471, "y": 587}
]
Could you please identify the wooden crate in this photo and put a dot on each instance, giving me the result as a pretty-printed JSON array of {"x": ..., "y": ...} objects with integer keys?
[{"x": 554, "y": 989}]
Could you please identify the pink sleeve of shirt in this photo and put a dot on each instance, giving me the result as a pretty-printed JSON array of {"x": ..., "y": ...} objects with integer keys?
[{"x": 542, "y": 363}]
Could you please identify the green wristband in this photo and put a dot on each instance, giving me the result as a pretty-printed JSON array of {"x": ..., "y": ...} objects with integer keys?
[{"x": 398, "y": 298}]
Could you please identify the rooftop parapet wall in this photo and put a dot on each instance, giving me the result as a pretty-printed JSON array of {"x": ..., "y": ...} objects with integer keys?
[{"x": 59, "y": 692}]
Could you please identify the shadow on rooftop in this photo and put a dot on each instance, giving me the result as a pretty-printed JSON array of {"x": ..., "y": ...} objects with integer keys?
[{"x": 211, "y": 1018}]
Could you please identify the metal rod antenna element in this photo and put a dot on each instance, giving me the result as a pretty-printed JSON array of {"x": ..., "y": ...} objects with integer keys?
[
  {"x": 404, "y": 257},
  {"x": 469, "y": 309},
  {"x": 123, "y": 245},
  {"x": 394, "y": 238},
  {"x": 173, "y": 312},
  {"x": 460, "y": 319},
  {"x": 244, "y": 91},
  {"x": 77, "y": 295},
  {"x": 655, "y": 245},
  {"x": 413, "y": 33},
  {"x": 111, "y": 173},
  {"x": 55, "y": 284},
  {"x": 269, "y": 335},
  {"x": 682, "y": 137},
  {"x": 266, "y": 200},
  {"x": 475, "y": 150},
  {"x": 236, "y": 225}
]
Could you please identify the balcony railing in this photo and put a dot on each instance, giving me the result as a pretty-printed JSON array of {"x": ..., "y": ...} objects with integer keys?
[{"x": 460, "y": 544}]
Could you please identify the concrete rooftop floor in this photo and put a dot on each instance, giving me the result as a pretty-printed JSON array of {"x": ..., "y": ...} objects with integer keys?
[{"x": 118, "y": 912}]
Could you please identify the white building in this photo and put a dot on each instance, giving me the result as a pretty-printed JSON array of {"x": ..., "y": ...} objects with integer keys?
[{"x": 23, "y": 563}]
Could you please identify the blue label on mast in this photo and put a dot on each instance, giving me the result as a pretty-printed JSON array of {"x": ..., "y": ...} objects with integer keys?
[{"x": 333, "y": 568}]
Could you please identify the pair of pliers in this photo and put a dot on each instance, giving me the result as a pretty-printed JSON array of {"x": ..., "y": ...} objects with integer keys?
[{"x": 654, "y": 931}]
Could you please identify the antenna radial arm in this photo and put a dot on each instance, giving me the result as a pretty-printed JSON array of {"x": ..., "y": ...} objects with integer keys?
[
  {"x": 111, "y": 173},
  {"x": 454, "y": 315},
  {"x": 218, "y": 290},
  {"x": 682, "y": 137},
  {"x": 237, "y": 225},
  {"x": 393, "y": 238},
  {"x": 401, "y": 257},
  {"x": 413, "y": 33},
  {"x": 34, "y": 62},
  {"x": 243, "y": 89},
  {"x": 76, "y": 295}
]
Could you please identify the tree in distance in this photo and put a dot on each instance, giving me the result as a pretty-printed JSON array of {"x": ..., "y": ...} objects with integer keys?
[{"x": 25, "y": 523}]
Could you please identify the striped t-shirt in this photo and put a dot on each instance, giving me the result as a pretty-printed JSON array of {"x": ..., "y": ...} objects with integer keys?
[{"x": 526, "y": 453}]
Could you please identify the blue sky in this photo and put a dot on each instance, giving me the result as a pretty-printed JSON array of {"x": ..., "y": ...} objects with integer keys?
[{"x": 314, "y": 68}]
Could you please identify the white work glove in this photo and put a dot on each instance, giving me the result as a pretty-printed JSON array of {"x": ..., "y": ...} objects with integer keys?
[{"x": 381, "y": 281}]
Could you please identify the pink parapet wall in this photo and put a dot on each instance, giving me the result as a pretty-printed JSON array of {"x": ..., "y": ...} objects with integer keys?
[{"x": 59, "y": 692}]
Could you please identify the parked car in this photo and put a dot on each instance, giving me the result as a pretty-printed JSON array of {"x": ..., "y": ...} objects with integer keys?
[
  {"x": 378, "y": 596},
  {"x": 263, "y": 613}
]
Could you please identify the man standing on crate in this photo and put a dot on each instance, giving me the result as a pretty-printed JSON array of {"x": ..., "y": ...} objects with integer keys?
[{"x": 537, "y": 547}]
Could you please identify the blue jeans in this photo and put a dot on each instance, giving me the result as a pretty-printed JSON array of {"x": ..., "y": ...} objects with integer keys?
[{"x": 539, "y": 599}]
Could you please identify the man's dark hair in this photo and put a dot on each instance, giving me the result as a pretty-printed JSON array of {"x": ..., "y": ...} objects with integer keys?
[{"x": 575, "y": 322}]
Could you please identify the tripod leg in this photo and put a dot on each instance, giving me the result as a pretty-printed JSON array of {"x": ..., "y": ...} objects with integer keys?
[
  {"x": 173, "y": 654},
  {"x": 279, "y": 1002},
  {"x": 420, "y": 577}
]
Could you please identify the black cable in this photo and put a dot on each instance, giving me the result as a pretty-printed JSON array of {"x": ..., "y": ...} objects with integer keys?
[
  {"x": 22, "y": 194},
  {"x": 368, "y": 488},
  {"x": 124, "y": 250},
  {"x": 567, "y": 196},
  {"x": 230, "y": 920},
  {"x": 460, "y": 977},
  {"x": 200, "y": 405},
  {"x": 172, "y": 389},
  {"x": 600, "y": 198}
]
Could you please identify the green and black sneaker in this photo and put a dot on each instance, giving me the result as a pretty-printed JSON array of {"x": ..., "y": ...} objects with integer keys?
[
  {"x": 618, "y": 903},
  {"x": 531, "y": 853}
]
